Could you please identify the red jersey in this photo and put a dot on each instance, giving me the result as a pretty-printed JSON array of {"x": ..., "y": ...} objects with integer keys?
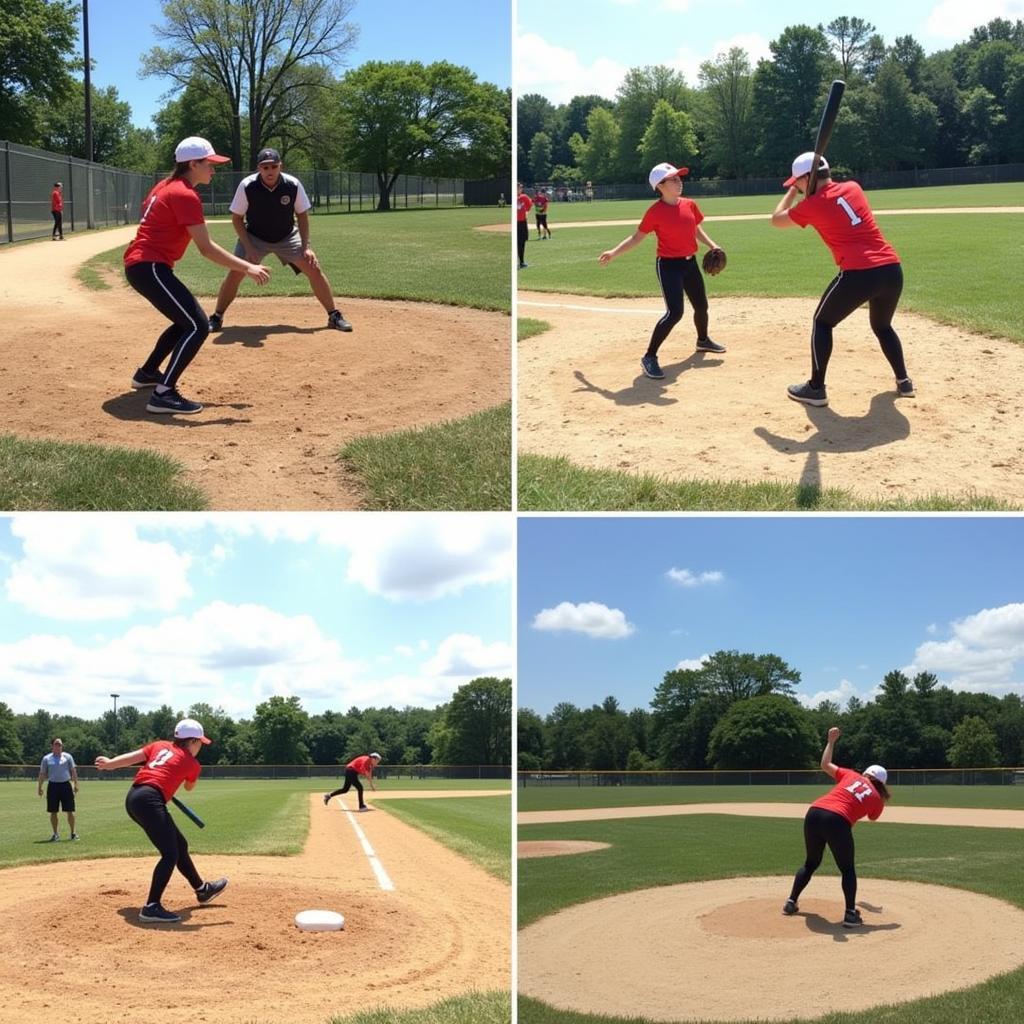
[
  {"x": 363, "y": 765},
  {"x": 523, "y": 204},
  {"x": 167, "y": 766},
  {"x": 541, "y": 202},
  {"x": 675, "y": 226},
  {"x": 171, "y": 207},
  {"x": 840, "y": 213},
  {"x": 57, "y": 201},
  {"x": 853, "y": 796}
]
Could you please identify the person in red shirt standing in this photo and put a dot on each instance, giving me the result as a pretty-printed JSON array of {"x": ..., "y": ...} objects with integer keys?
[
  {"x": 540, "y": 206},
  {"x": 676, "y": 221},
  {"x": 57, "y": 212},
  {"x": 357, "y": 766},
  {"x": 869, "y": 271},
  {"x": 172, "y": 216},
  {"x": 523, "y": 205},
  {"x": 166, "y": 764},
  {"x": 830, "y": 820}
]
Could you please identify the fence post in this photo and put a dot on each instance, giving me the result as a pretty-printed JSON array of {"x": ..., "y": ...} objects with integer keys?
[{"x": 10, "y": 201}]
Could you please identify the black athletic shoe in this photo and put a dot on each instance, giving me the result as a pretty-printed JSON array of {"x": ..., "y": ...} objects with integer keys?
[
  {"x": 651, "y": 367},
  {"x": 707, "y": 345},
  {"x": 145, "y": 379},
  {"x": 808, "y": 394},
  {"x": 327, "y": 799},
  {"x": 216, "y": 321},
  {"x": 153, "y": 913},
  {"x": 852, "y": 919},
  {"x": 905, "y": 388},
  {"x": 208, "y": 890},
  {"x": 336, "y": 321},
  {"x": 171, "y": 401},
  {"x": 789, "y": 908}
]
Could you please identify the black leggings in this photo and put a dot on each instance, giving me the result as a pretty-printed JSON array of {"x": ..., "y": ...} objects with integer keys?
[
  {"x": 351, "y": 779},
  {"x": 522, "y": 236},
  {"x": 676, "y": 277},
  {"x": 881, "y": 288},
  {"x": 821, "y": 828},
  {"x": 189, "y": 326},
  {"x": 146, "y": 807},
  {"x": 58, "y": 224}
]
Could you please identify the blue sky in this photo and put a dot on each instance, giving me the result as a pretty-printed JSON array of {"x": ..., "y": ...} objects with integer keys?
[
  {"x": 569, "y": 49},
  {"x": 608, "y": 605},
  {"x": 464, "y": 32},
  {"x": 340, "y": 610}
]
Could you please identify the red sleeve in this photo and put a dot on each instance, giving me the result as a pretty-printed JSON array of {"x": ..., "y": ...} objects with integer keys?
[
  {"x": 187, "y": 208},
  {"x": 697, "y": 215},
  {"x": 647, "y": 224},
  {"x": 799, "y": 214}
]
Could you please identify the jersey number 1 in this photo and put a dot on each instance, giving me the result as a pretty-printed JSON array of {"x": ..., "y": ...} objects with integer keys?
[{"x": 854, "y": 219}]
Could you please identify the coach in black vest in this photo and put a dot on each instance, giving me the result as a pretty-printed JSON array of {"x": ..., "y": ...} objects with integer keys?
[{"x": 270, "y": 214}]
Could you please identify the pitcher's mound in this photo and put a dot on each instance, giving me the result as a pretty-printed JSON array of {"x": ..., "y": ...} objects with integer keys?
[
  {"x": 556, "y": 847},
  {"x": 723, "y": 950}
]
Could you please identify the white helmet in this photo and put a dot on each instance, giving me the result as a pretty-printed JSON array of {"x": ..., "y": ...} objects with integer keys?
[{"x": 876, "y": 771}]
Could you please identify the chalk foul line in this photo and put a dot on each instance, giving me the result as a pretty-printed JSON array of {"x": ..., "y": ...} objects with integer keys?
[{"x": 383, "y": 880}]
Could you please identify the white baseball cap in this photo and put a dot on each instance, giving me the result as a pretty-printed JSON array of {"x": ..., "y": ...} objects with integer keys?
[
  {"x": 195, "y": 148},
  {"x": 376, "y": 755},
  {"x": 874, "y": 771},
  {"x": 190, "y": 729},
  {"x": 802, "y": 165},
  {"x": 662, "y": 171}
]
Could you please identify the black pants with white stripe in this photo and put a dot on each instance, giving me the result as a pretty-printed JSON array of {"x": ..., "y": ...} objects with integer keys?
[
  {"x": 351, "y": 779},
  {"x": 678, "y": 277},
  {"x": 146, "y": 806},
  {"x": 189, "y": 326},
  {"x": 880, "y": 288}
]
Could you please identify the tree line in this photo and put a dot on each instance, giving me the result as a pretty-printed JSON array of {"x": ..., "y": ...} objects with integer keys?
[
  {"x": 473, "y": 728},
  {"x": 902, "y": 109},
  {"x": 739, "y": 711},
  {"x": 249, "y": 74}
]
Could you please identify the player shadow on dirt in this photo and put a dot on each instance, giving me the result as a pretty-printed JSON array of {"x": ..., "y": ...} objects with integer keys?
[
  {"x": 254, "y": 337},
  {"x": 130, "y": 916},
  {"x": 882, "y": 424},
  {"x": 645, "y": 390},
  {"x": 825, "y": 926},
  {"x": 131, "y": 407}
]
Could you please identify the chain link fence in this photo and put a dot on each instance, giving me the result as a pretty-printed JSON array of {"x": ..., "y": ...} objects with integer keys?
[
  {"x": 796, "y": 777},
  {"x": 101, "y": 197}
]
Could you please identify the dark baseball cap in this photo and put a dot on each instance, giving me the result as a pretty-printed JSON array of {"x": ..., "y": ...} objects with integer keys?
[{"x": 268, "y": 156}]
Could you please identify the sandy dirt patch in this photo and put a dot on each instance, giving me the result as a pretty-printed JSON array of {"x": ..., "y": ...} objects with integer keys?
[
  {"x": 72, "y": 947},
  {"x": 282, "y": 393},
  {"x": 893, "y": 815},
  {"x": 555, "y": 848},
  {"x": 699, "y": 951},
  {"x": 581, "y": 394}
]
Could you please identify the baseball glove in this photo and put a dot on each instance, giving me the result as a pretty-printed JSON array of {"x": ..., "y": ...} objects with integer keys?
[{"x": 714, "y": 261}]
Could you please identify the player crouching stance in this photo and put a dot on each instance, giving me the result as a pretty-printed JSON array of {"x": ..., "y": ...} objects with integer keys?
[
  {"x": 165, "y": 766},
  {"x": 264, "y": 212},
  {"x": 869, "y": 270}
]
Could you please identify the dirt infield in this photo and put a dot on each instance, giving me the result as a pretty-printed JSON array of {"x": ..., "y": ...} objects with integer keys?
[
  {"x": 581, "y": 394},
  {"x": 282, "y": 393},
  {"x": 724, "y": 951},
  {"x": 73, "y": 949},
  {"x": 527, "y": 849}
]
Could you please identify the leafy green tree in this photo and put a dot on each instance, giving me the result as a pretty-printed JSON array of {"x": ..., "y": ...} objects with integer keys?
[
  {"x": 534, "y": 113},
  {"x": 903, "y": 125},
  {"x": 850, "y": 39},
  {"x": 196, "y": 110},
  {"x": 761, "y": 733},
  {"x": 37, "y": 49},
  {"x": 727, "y": 90},
  {"x": 278, "y": 728},
  {"x": 637, "y": 761},
  {"x": 62, "y": 125},
  {"x": 540, "y": 157},
  {"x": 35, "y": 732},
  {"x": 530, "y": 738},
  {"x": 974, "y": 745},
  {"x": 669, "y": 136},
  {"x": 564, "y": 729},
  {"x": 403, "y": 117},
  {"x": 635, "y": 100},
  {"x": 11, "y": 750},
  {"x": 1014, "y": 108},
  {"x": 597, "y": 161},
  {"x": 479, "y": 720},
  {"x": 734, "y": 676},
  {"x": 986, "y": 125},
  {"x": 159, "y": 724}
]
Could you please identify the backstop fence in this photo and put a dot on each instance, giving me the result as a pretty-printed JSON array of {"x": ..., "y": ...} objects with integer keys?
[
  {"x": 99, "y": 196},
  {"x": 495, "y": 772},
  {"x": 795, "y": 777}
]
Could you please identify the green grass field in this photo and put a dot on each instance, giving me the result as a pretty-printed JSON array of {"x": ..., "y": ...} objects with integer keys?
[
  {"x": 644, "y": 853},
  {"x": 245, "y": 817},
  {"x": 481, "y": 1008}
]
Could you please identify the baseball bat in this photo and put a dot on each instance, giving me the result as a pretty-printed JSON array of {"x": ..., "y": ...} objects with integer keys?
[
  {"x": 828, "y": 122},
  {"x": 188, "y": 812}
]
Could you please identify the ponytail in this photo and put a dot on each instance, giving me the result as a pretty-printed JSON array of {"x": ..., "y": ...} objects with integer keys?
[{"x": 180, "y": 170}]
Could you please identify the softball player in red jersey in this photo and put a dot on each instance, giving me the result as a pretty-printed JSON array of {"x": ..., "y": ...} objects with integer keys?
[
  {"x": 869, "y": 271},
  {"x": 165, "y": 766},
  {"x": 357, "y": 766},
  {"x": 540, "y": 209},
  {"x": 676, "y": 221},
  {"x": 172, "y": 216},
  {"x": 523, "y": 205},
  {"x": 830, "y": 820}
]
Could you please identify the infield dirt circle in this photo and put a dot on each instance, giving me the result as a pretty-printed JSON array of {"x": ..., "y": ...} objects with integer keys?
[
  {"x": 282, "y": 393},
  {"x": 72, "y": 947}
]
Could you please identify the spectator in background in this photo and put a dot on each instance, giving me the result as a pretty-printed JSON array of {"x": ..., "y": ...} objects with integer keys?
[
  {"x": 540, "y": 205},
  {"x": 58, "y": 768},
  {"x": 57, "y": 211}
]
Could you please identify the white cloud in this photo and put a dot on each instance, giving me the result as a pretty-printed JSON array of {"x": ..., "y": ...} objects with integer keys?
[
  {"x": 466, "y": 657},
  {"x": 839, "y": 695},
  {"x": 93, "y": 567},
  {"x": 685, "y": 578},
  {"x": 954, "y": 20},
  {"x": 558, "y": 73},
  {"x": 693, "y": 663},
  {"x": 590, "y": 617}
]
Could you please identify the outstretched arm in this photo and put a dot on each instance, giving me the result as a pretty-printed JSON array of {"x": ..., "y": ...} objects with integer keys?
[
  {"x": 827, "y": 766},
  {"x": 109, "y": 764},
  {"x": 624, "y": 246}
]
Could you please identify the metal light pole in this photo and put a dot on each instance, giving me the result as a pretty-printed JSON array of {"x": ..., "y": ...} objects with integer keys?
[
  {"x": 115, "y": 696},
  {"x": 90, "y": 221}
]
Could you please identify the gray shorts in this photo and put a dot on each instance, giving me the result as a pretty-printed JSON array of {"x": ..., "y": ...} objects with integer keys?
[{"x": 288, "y": 250}]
